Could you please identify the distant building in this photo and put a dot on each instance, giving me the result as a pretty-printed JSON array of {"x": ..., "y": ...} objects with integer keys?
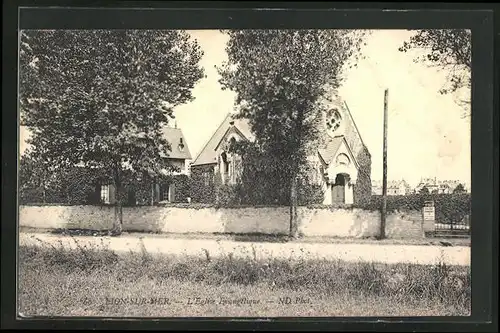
[
  {"x": 395, "y": 187},
  {"x": 439, "y": 186},
  {"x": 399, "y": 187}
]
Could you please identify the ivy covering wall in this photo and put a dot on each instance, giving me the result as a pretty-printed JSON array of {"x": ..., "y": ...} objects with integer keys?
[
  {"x": 81, "y": 186},
  {"x": 449, "y": 208},
  {"x": 202, "y": 187},
  {"x": 363, "y": 188}
]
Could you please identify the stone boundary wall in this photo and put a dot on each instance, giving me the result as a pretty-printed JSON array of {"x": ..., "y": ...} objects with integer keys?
[{"x": 328, "y": 222}]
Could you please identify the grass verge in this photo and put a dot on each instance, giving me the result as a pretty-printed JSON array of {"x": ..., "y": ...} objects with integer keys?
[
  {"x": 92, "y": 281},
  {"x": 434, "y": 241}
]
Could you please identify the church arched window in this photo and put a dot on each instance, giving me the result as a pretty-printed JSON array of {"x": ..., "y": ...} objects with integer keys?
[
  {"x": 343, "y": 159},
  {"x": 232, "y": 142},
  {"x": 333, "y": 120}
]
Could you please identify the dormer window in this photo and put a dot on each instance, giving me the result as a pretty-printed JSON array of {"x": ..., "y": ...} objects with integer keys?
[{"x": 181, "y": 145}]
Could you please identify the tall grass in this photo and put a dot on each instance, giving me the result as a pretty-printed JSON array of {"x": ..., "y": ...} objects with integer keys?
[{"x": 448, "y": 285}]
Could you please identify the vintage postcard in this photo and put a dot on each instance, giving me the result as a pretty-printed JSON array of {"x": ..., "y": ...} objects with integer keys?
[{"x": 244, "y": 173}]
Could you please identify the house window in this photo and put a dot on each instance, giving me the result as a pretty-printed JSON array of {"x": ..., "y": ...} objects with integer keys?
[
  {"x": 164, "y": 193},
  {"x": 105, "y": 194},
  {"x": 206, "y": 178}
]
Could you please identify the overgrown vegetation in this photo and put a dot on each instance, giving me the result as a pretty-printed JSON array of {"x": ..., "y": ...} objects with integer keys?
[
  {"x": 449, "y": 208},
  {"x": 81, "y": 186},
  {"x": 202, "y": 184},
  {"x": 402, "y": 283}
]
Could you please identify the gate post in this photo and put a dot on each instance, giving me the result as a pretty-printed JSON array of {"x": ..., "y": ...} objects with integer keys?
[{"x": 428, "y": 214}]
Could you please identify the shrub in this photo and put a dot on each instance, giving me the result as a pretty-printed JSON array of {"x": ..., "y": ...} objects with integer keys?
[
  {"x": 80, "y": 186},
  {"x": 182, "y": 188},
  {"x": 449, "y": 208},
  {"x": 202, "y": 187},
  {"x": 228, "y": 195},
  {"x": 74, "y": 185},
  {"x": 310, "y": 194}
]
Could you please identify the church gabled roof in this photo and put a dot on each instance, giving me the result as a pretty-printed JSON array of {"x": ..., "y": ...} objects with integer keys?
[
  {"x": 351, "y": 132},
  {"x": 327, "y": 151},
  {"x": 351, "y": 135},
  {"x": 208, "y": 155},
  {"x": 330, "y": 148}
]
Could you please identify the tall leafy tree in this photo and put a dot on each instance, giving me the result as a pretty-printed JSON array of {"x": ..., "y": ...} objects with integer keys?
[
  {"x": 100, "y": 98},
  {"x": 284, "y": 80},
  {"x": 449, "y": 50}
]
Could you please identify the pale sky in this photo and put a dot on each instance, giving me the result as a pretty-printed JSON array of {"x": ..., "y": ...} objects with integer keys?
[{"x": 427, "y": 137}]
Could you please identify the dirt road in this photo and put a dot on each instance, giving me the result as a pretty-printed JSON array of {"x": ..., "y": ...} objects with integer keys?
[{"x": 383, "y": 253}]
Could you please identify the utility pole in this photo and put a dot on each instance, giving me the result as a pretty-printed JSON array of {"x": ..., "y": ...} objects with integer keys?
[{"x": 384, "y": 165}]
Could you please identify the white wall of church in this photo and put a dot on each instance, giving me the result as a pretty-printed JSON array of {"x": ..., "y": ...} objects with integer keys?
[
  {"x": 349, "y": 194},
  {"x": 327, "y": 189}
]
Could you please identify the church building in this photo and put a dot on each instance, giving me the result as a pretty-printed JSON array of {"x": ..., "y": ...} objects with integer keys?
[{"x": 341, "y": 162}]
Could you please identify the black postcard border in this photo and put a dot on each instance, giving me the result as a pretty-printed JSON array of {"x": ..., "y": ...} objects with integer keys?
[{"x": 220, "y": 15}]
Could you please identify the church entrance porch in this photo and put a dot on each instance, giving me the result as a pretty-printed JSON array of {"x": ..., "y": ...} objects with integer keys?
[{"x": 339, "y": 189}]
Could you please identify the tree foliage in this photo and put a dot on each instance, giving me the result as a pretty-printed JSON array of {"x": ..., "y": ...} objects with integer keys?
[
  {"x": 33, "y": 178},
  {"x": 449, "y": 208},
  {"x": 446, "y": 49},
  {"x": 459, "y": 189},
  {"x": 262, "y": 177},
  {"x": 424, "y": 190},
  {"x": 101, "y": 97},
  {"x": 64, "y": 185},
  {"x": 284, "y": 80}
]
